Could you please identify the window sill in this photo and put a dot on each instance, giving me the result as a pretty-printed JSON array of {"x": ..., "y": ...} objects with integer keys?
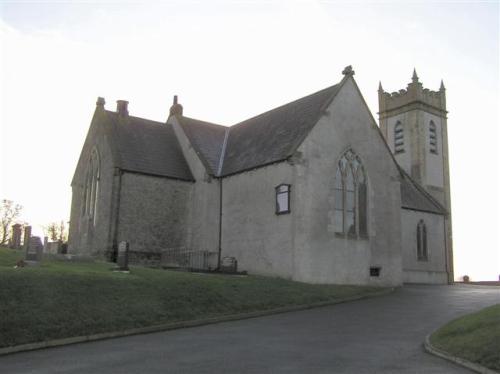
[
  {"x": 284, "y": 212},
  {"x": 351, "y": 237}
]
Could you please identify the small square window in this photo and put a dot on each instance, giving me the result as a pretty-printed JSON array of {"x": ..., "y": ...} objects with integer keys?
[
  {"x": 283, "y": 199},
  {"x": 374, "y": 271}
]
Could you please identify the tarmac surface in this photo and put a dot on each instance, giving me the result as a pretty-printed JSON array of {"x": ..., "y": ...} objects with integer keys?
[{"x": 375, "y": 335}]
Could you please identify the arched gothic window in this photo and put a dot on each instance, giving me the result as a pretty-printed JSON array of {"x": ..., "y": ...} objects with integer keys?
[
  {"x": 432, "y": 137},
  {"x": 350, "y": 195},
  {"x": 399, "y": 138},
  {"x": 91, "y": 187},
  {"x": 421, "y": 241}
]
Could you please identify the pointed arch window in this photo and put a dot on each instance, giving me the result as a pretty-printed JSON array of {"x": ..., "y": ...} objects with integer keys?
[
  {"x": 350, "y": 197},
  {"x": 421, "y": 241},
  {"x": 399, "y": 138},
  {"x": 91, "y": 187},
  {"x": 433, "y": 138}
]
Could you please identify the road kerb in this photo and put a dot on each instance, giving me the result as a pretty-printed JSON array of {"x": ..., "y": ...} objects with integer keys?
[{"x": 457, "y": 360}]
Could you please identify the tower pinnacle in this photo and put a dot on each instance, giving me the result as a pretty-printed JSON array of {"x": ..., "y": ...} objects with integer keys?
[
  {"x": 441, "y": 88},
  {"x": 414, "y": 77}
]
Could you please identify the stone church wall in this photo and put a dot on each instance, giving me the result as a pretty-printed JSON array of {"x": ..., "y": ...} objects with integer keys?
[
  {"x": 203, "y": 205},
  {"x": 153, "y": 212},
  {"x": 433, "y": 270},
  {"x": 86, "y": 235}
]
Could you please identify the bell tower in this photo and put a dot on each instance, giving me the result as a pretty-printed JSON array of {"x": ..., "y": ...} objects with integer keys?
[{"x": 414, "y": 124}]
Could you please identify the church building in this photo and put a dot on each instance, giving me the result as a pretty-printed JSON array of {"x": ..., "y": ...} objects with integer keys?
[{"x": 313, "y": 191}]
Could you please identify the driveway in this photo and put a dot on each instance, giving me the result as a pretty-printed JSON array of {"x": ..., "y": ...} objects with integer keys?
[{"x": 377, "y": 335}]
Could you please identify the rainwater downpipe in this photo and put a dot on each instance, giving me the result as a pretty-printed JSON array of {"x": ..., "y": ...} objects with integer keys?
[
  {"x": 220, "y": 225},
  {"x": 114, "y": 254}
]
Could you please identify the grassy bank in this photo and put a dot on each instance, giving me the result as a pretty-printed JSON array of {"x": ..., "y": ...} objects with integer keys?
[
  {"x": 61, "y": 299},
  {"x": 475, "y": 337}
]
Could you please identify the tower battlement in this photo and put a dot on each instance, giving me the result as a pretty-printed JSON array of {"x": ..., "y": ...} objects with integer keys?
[{"x": 414, "y": 96}]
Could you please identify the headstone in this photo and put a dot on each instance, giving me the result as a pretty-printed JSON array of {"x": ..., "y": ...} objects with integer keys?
[
  {"x": 26, "y": 239},
  {"x": 45, "y": 244},
  {"x": 229, "y": 265},
  {"x": 122, "y": 261},
  {"x": 16, "y": 236},
  {"x": 35, "y": 249}
]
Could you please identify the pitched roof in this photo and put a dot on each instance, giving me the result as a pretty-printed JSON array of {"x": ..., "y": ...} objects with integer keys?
[
  {"x": 274, "y": 135},
  {"x": 207, "y": 139},
  {"x": 414, "y": 197},
  {"x": 147, "y": 147}
]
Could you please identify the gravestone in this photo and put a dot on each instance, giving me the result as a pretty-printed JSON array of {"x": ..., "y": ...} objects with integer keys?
[
  {"x": 45, "y": 244},
  {"x": 35, "y": 249},
  {"x": 26, "y": 239},
  {"x": 122, "y": 260},
  {"x": 16, "y": 236},
  {"x": 229, "y": 265}
]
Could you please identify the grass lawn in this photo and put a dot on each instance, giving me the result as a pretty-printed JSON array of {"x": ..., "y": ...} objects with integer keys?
[
  {"x": 475, "y": 337},
  {"x": 60, "y": 299}
]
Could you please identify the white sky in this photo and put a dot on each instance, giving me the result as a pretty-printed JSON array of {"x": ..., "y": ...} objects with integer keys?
[{"x": 228, "y": 61}]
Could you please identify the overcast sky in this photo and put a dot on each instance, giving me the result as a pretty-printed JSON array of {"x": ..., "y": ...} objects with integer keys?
[{"x": 228, "y": 61}]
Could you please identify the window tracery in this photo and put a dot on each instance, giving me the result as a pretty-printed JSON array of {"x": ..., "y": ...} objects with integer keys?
[{"x": 350, "y": 197}]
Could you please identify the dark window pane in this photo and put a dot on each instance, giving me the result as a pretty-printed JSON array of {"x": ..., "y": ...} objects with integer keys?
[
  {"x": 339, "y": 201},
  {"x": 349, "y": 183},
  {"x": 363, "y": 231},
  {"x": 349, "y": 200},
  {"x": 419, "y": 242},
  {"x": 424, "y": 242},
  {"x": 339, "y": 220},
  {"x": 338, "y": 179},
  {"x": 349, "y": 223}
]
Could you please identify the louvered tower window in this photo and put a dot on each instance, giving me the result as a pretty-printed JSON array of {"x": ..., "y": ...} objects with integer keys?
[
  {"x": 399, "y": 139},
  {"x": 433, "y": 138}
]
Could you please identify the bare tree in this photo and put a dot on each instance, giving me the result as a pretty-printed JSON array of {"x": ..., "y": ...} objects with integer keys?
[
  {"x": 9, "y": 212},
  {"x": 56, "y": 231},
  {"x": 63, "y": 232},
  {"x": 52, "y": 230}
]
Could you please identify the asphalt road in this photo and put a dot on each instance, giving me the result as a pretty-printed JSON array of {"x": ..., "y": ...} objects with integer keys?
[{"x": 377, "y": 335}]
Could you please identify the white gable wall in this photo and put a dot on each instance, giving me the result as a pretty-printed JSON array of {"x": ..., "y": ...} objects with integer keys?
[
  {"x": 259, "y": 239},
  {"x": 320, "y": 255}
]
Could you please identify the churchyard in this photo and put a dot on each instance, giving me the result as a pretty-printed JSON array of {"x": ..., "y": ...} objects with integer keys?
[{"x": 55, "y": 298}]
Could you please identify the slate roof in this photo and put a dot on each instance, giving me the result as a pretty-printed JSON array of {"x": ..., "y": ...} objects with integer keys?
[
  {"x": 274, "y": 135},
  {"x": 151, "y": 147},
  {"x": 207, "y": 139},
  {"x": 147, "y": 147},
  {"x": 414, "y": 197}
]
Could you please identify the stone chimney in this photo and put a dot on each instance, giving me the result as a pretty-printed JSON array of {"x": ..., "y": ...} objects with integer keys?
[
  {"x": 122, "y": 107},
  {"x": 176, "y": 108},
  {"x": 100, "y": 102}
]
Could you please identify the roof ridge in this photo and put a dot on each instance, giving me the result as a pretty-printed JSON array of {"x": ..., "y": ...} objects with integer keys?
[
  {"x": 135, "y": 117},
  {"x": 202, "y": 121}
]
